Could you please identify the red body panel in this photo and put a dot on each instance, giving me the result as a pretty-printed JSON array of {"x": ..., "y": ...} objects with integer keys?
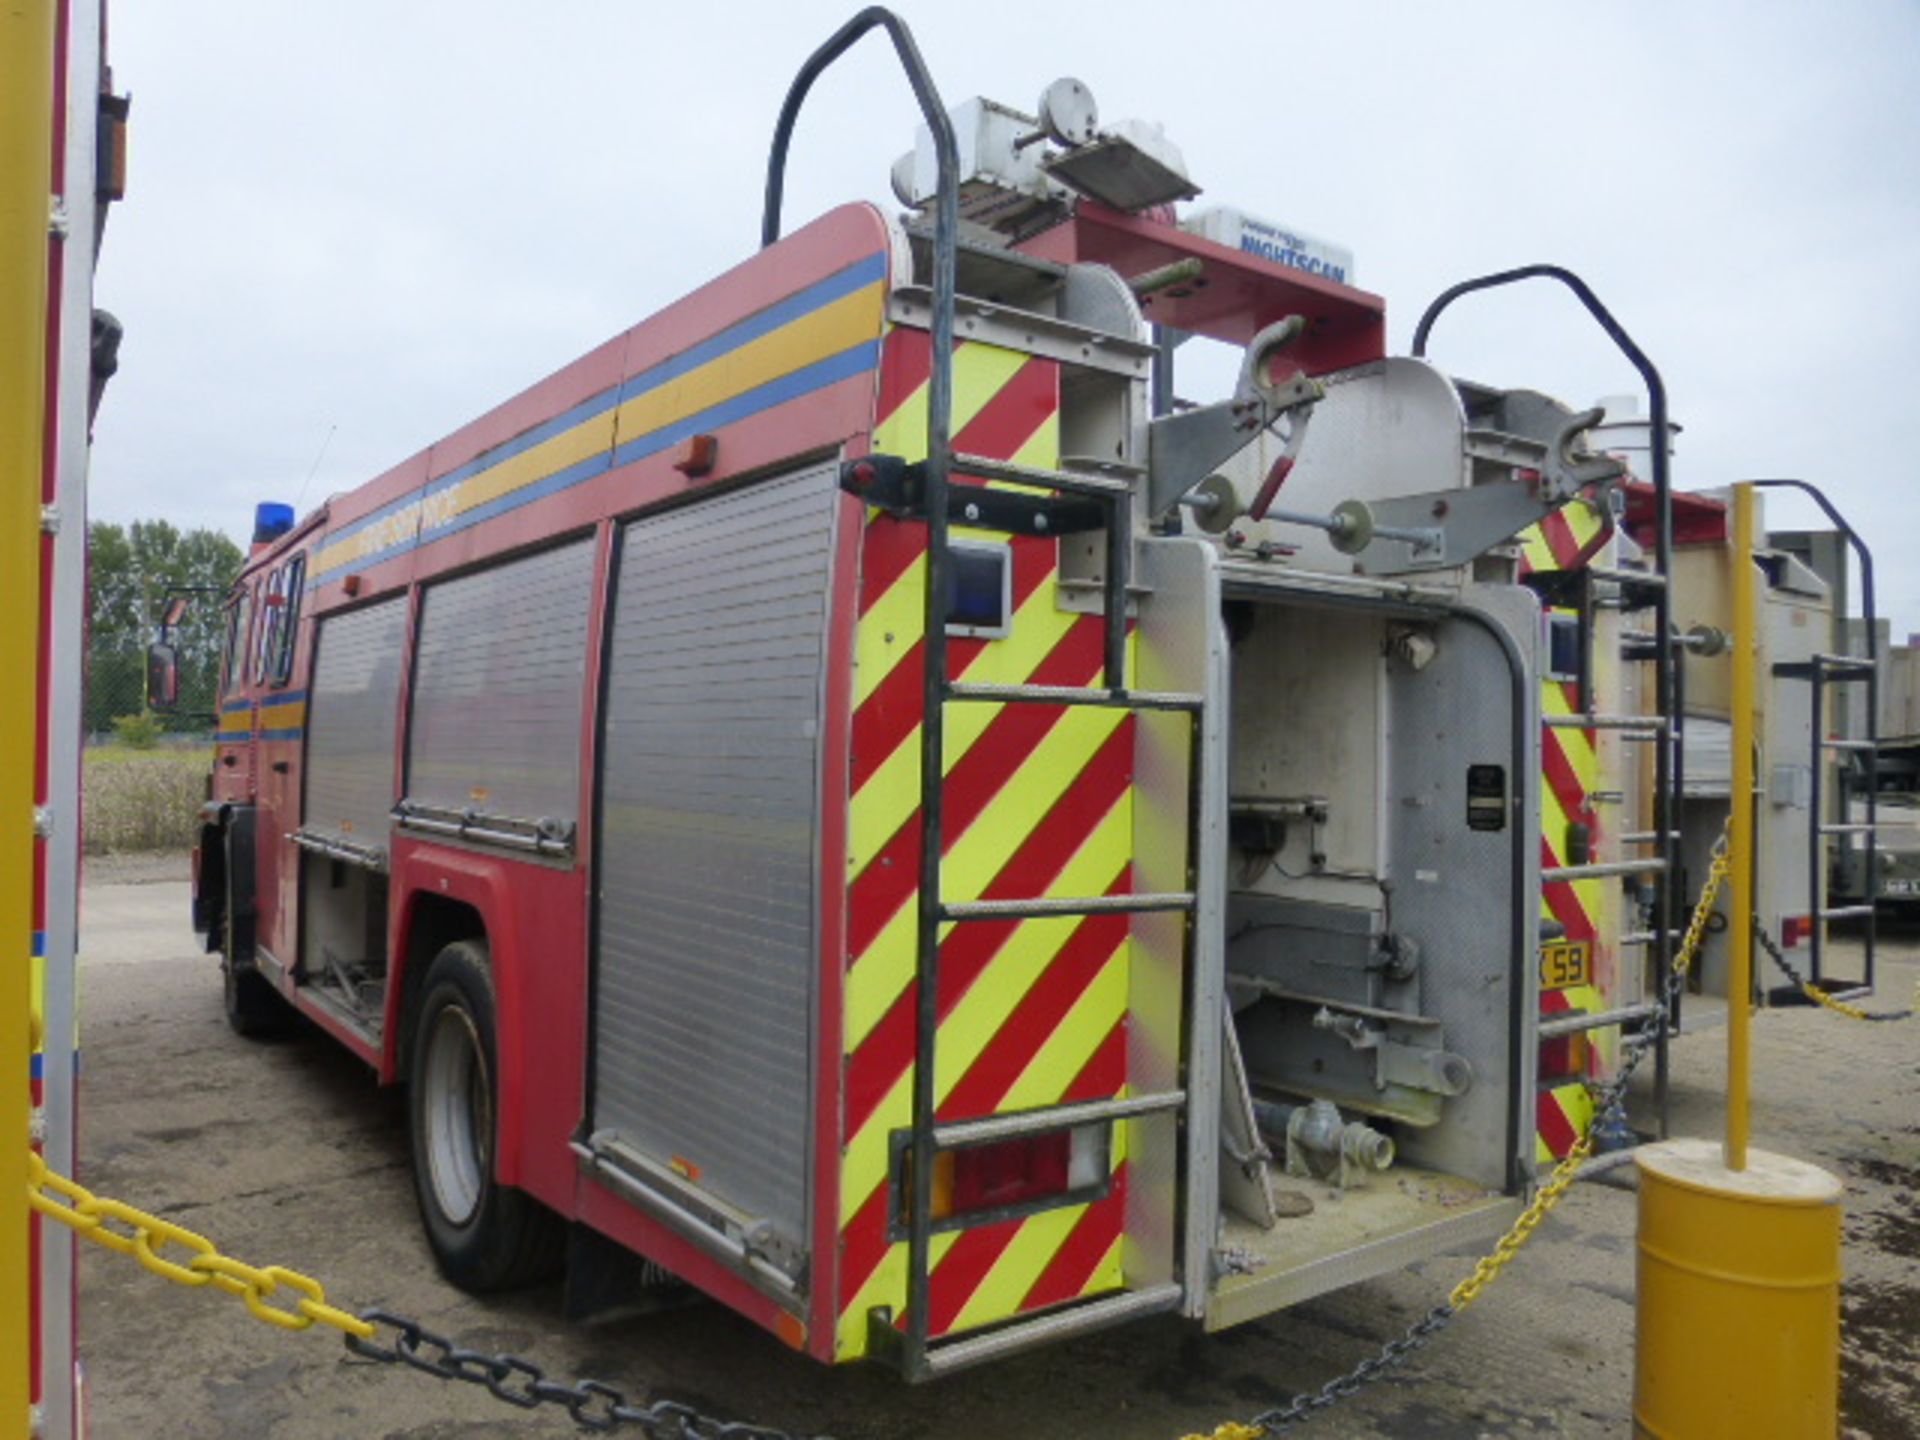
[
  {"x": 537, "y": 914},
  {"x": 1243, "y": 293}
]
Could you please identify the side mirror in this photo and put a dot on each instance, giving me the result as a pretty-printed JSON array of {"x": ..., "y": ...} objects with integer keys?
[{"x": 163, "y": 677}]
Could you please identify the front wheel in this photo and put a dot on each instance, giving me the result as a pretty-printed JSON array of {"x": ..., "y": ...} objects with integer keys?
[
  {"x": 254, "y": 1008},
  {"x": 484, "y": 1235}
]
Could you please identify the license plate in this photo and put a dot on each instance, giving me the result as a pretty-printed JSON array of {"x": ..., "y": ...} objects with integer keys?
[
  {"x": 1901, "y": 887},
  {"x": 1565, "y": 963}
]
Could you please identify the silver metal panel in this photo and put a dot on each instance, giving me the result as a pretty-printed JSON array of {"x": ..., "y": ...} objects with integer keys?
[
  {"x": 499, "y": 679},
  {"x": 353, "y": 702},
  {"x": 1709, "y": 749},
  {"x": 1180, "y": 644},
  {"x": 1295, "y": 1265},
  {"x": 1455, "y": 888},
  {"x": 1394, "y": 427},
  {"x": 707, "y": 949}
]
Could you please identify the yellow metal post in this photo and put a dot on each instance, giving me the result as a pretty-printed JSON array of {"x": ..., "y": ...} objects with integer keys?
[
  {"x": 26, "y": 180},
  {"x": 1740, "y": 796},
  {"x": 1737, "y": 1296}
]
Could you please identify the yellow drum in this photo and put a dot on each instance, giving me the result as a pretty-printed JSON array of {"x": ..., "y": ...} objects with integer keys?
[{"x": 1739, "y": 1296}]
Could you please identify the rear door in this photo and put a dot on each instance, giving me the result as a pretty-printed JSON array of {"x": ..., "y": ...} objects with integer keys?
[{"x": 706, "y": 959}]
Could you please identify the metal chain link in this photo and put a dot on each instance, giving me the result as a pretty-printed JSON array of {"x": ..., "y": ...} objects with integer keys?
[
  {"x": 1814, "y": 992},
  {"x": 146, "y": 1237},
  {"x": 1610, "y": 1100},
  {"x": 590, "y": 1404},
  {"x": 595, "y": 1406}
]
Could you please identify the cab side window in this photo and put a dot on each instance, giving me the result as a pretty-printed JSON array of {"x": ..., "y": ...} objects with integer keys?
[
  {"x": 233, "y": 669},
  {"x": 280, "y": 622}
]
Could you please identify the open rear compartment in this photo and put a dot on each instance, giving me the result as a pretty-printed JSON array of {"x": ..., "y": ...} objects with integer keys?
[{"x": 1375, "y": 779}]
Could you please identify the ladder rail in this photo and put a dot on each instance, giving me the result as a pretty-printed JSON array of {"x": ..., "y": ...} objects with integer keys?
[
  {"x": 946, "y": 229},
  {"x": 1870, "y": 674}
]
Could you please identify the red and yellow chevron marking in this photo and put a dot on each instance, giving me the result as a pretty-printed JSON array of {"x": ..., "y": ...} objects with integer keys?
[
  {"x": 1038, "y": 802},
  {"x": 1587, "y": 910}
]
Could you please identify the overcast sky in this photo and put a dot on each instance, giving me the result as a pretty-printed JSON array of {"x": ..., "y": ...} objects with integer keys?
[{"x": 372, "y": 221}]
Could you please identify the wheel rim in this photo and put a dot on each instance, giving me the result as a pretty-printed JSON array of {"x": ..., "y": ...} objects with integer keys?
[{"x": 458, "y": 1113}]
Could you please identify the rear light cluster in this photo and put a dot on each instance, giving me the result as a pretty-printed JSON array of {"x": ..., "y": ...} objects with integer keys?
[
  {"x": 1029, "y": 1172},
  {"x": 1795, "y": 930}
]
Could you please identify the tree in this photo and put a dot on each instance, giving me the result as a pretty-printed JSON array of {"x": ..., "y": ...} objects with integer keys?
[{"x": 130, "y": 571}]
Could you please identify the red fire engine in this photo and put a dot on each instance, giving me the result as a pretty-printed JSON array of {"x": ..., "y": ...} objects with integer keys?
[{"x": 850, "y": 793}]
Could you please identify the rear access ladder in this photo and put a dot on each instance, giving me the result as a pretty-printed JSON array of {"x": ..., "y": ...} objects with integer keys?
[
  {"x": 1067, "y": 502},
  {"x": 1661, "y": 649},
  {"x": 1821, "y": 673}
]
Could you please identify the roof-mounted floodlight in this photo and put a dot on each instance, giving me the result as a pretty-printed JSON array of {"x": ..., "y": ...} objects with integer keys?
[
  {"x": 1019, "y": 172},
  {"x": 1132, "y": 166}
]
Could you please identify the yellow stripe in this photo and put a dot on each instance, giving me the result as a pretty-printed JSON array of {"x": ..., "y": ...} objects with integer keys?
[
  {"x": 1073, "y": 1042},
  {"x": 1042, "y": 448},
  {"x": 1008, "y": 1279},
  {"x": 892, "y": 792},
  {"x": 977, "y": 1016},
  {"x": 1534, "y": 546},
  {"x": 979, "y": 371},
  {"x": 827, "y": 331},
  {"x": 1107, "y": 1275},
  {"x": 1576, "y": 1103},
  {"x": 283, "y": 716},
  {"x": 830, "y": 330},
  {"x": 1027, "y": 1256},
  {"x": 889, "y": 629},
  {"x": 594, "y": 436},
  {"x": 885, "y": 967}
]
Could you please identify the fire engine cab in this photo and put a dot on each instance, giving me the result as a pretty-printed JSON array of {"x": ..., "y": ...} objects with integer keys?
[{"x": 852, "y": 794}]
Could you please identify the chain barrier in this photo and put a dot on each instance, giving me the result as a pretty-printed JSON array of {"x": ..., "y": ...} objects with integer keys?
[
  {"x": 1812, "y": 991},
  {"x": 590, "y": 1404},
  {"x": 1610, "y": 1108},
  {"x": 595, "y": 1406}
]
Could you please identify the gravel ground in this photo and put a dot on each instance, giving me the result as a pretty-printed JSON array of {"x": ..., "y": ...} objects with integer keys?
[{"x": 286, "y": 1152}]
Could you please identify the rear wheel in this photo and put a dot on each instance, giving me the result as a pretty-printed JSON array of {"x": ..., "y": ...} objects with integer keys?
[{"x": 484, "y": 1235}]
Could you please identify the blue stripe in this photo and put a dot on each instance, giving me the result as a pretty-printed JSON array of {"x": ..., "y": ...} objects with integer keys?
[
  {"x": 39, "y": 944},
  {"x": 817, "y": 376},
  {"x": 292, "y": 733},
  {"x": 37, "y": 1067},
  {"x": 234, "y": 707},
  {"x": 783, "y": 312},
  {"x": 802, "y": 302},
  {"x": 284, "y": 697}
]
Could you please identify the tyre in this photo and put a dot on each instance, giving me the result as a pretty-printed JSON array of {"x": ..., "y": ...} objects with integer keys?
[
  {"x": 254, "y": 1008},
  {"x": 484, "y": 1235}
]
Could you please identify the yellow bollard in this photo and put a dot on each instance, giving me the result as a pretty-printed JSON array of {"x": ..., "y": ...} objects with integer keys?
[
  {"x": 1738, "y": 1296},
  {"x": 1738, "y": 1299}
]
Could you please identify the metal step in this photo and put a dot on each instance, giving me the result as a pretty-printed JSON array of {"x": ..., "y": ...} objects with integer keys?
[
  {"x": 1067, "y": 905},
  {"x": 1079, "y": 483},
  {"x": 1075, "y": 695},
  {"x": 1640, "y": 724},
  {"x": 1566, "y": 873},
  {"x": 1841, "y": 669},
  {"x": 1573, "y": 1023},
  {"x": 944, "y": 1359},
  {"x": 1052, "y": 1117}
]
